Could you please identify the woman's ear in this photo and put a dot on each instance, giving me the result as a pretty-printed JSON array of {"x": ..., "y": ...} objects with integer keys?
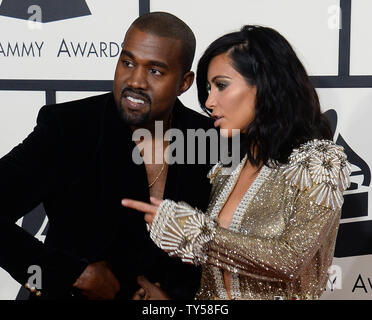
[{"x": 187, "y": 81}]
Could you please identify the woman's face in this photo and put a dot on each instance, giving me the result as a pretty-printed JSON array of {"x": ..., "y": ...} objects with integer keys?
[{"x": 231, "y": 99}]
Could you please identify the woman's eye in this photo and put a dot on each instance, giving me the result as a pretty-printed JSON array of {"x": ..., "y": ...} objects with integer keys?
[
  {"x": 208, "y": 88},
  {"x": 220, "y": 85}
]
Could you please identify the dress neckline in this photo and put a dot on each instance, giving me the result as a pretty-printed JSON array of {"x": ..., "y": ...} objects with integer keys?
[
  {"x": 222, "y": 196},
  {"x": 228, "y": 187}
]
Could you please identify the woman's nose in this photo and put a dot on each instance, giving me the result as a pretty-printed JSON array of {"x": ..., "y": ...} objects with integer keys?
[{"x": 210, "y": 103}]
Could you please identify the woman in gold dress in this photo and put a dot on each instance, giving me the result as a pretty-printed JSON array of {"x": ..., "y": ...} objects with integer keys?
[{"x": 270, "y": 229}]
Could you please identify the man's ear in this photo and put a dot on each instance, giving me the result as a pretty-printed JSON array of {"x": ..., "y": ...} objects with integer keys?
[{"x": 187, "y": 81}]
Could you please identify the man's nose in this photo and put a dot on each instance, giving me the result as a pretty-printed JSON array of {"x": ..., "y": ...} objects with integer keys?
[{"x": 138, "y": 79}]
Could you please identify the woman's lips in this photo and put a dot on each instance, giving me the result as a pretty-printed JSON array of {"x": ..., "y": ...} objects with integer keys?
[{"x": 218, "y": 121}]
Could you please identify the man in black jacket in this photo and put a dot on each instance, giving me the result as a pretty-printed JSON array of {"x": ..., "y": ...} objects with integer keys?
[{"x": 79, "y": 163}]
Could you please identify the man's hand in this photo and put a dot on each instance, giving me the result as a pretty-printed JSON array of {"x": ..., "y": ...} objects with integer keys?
[
  {"x": 97, "y": 282},
  {"x": 149, "y": 291}
]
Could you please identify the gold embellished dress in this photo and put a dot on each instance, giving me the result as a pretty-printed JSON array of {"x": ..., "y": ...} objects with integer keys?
[{"x": 281, "y": 239}]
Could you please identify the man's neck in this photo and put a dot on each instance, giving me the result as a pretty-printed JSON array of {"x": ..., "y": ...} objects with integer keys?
[{"x": 151, "y": 126}]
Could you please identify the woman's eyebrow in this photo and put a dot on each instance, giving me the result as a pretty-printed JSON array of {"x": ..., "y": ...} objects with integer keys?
[{"x": 219, "y": 76}]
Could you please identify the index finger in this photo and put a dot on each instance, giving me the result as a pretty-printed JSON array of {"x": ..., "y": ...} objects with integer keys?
[{"x": 139, "y": 206}]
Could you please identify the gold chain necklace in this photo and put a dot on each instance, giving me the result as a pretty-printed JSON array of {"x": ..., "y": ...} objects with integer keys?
[
  {"x": 163, "y": 166},
  {"x": 157, "y": 177}
]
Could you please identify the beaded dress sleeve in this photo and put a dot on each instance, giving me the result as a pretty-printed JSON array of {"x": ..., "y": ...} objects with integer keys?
[{"x": 317, "y": 173}]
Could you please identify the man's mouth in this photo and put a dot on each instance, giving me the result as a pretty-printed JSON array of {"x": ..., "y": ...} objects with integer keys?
[{"x": 134, "y": 100}]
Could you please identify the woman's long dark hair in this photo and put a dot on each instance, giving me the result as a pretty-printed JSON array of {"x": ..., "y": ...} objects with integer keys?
[{"x": 287, "y": 110}]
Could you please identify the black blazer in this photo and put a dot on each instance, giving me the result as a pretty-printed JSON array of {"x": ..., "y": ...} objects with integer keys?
[{"x": 78, "y": 163}]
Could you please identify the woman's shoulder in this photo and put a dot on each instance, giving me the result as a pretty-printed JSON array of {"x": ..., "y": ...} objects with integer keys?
[{"x": 320, "y": 166}]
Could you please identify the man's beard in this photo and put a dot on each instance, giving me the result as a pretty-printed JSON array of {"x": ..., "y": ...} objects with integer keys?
[{"x": 134, "y": 118}]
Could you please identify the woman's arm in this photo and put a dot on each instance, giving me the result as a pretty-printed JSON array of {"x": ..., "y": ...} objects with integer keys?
[
  {"x": 189, "y": 234},
  {"x": 184, "y": 232}
]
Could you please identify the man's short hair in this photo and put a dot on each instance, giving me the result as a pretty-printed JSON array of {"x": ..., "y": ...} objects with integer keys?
[{"x": 166, "y": 25}]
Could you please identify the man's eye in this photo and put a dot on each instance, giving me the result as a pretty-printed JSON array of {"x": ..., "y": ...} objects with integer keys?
[
  {"x": 155, "y": 72},
  {"x": 128, "y": 63}
]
